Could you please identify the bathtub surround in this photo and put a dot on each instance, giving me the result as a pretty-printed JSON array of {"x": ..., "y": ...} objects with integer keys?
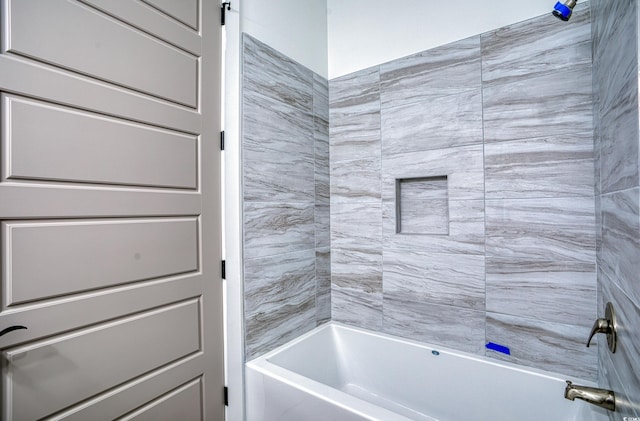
[
  {"x": 338, "y": 372},
  {"x": 285, "y": 160},
  {"x": 506, "y": 117},
  {"x": 617, "y": 145}
]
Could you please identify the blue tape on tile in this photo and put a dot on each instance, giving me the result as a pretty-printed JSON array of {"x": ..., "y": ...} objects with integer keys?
[{"x": 498, "y": 348}]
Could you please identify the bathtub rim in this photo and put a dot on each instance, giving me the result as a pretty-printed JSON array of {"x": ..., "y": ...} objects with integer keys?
[{"x": 264, "y": 361}]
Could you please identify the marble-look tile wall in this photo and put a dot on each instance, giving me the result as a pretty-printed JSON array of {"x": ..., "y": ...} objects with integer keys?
[
  {"x": 506, "y": 116},
  {"x": 285, "y": 160},
  {"x": 617, "y": 145}
]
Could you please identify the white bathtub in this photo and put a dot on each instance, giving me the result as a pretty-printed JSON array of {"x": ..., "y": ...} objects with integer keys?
[{"x": 341, "y": 373}]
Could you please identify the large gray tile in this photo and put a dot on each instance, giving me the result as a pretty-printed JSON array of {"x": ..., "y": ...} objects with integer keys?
[
  {"x": 358, "y": 227},
  {"x": 626, "y": 360},
  {"x": 443, "y": 122},
  {"x": 466, "y": 230},
  {"x": 322, "y": 223},
  {"x": 553, "y": 291},
  {"x": 356, "y": 264},
  {"x": 278, "y": 151},
  {"x": 554, "y": 166},
  {"x": 323, "y": 285},
  {"x": 539, "y": 106},
  {"x": 323, "y": 185},
  {"x": 620, "y": 250},
  {"x": 538, "y": 46},
  {"x": 441, "y": 71},
  {"x": 447, "y": 279},
  {"x": 355, "y": 181},
  {"x": 453, "y": 327},
  {"x": 322, "y": 168},
  {"x": 615, "y": 75},
  {"x": 548, "y": 346},
  {"x": 279, "y": 302},
  {"x": 463, "y": 167},
  {"x": 356, "y": 244},
  {"x": 357, "y": 306},
  {"x": 552, "y": 230},
  {"x": 617, "y": 141},
  {"x": 320, "y": 97},
  {"x": 275, "y": 228},
  {"x": 354, "y": 115},
  {"x": 275, "y": 75}
]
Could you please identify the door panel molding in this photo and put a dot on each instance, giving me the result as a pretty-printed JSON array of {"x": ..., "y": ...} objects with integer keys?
[
  {"x": 100, "y": 47},
  {"x": 47, "y": 376},
  {"x": 45, "y": 141}
]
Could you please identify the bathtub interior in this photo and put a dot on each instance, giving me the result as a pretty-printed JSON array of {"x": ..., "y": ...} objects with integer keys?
[{"x": 423, "y": 382}]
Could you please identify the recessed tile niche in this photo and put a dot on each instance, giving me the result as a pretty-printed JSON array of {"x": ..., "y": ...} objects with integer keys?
[{"x": 422, "y": 205}]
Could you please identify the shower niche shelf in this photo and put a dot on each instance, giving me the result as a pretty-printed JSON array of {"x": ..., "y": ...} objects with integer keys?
[{"x": 422, "y": 205}]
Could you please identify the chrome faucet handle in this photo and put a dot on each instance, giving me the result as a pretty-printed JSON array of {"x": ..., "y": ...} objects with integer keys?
[{"x": 608, "y": 325}]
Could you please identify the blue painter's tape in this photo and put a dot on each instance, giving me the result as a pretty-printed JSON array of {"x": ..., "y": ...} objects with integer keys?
[{"x": 499, "y": 348}]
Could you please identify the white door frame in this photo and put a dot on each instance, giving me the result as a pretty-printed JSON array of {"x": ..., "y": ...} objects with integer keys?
[{"x": 233, "y": 213}]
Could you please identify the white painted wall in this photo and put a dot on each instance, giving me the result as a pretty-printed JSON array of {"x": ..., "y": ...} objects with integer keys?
[
  {"x": 296, "y": 28},
  {"x": 363, "y": 33}
]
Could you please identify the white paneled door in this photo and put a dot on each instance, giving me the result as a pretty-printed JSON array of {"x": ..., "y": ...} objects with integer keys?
[{"x": 111, "y": 293}]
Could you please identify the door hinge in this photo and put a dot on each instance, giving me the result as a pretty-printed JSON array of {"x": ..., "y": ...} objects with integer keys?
[
  {"x": 226, "y": 396},
  {"x": 223, "y": 11},
  {"x": 222, "y": 140},
  {"x": 224, "y": 269}
]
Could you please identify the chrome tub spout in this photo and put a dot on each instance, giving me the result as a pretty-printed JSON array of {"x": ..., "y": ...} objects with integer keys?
[{"x": 600, "y": 397}]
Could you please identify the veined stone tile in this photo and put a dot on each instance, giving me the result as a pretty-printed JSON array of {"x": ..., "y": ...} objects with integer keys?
[
  {"x": 354, "y": 136},
  {"x": 617, "y": 141},
  {"x": 323, "y": 308},
  {"x": 356, "y": 264},
  {"x": 441, "y": 71},
  {"x": 322, "y": 169},
  {"x": 462, "y": 165},
  {"x": 354, "y": 115},
  {"x": 355, "y": 89},
  {"x": 598, "y": 208},
  {"x": 454, "y": 327},
  {"x": 539, "y": 106},
  {"x": 321, "y": 219},
  {"x": 553, "y": 230},
  {"x": 548, "y": 346},
  {"x": 626, "y": 359},
  {"x": 554, "y": 166},
  {"x": 276, "y": 228},
  {"x": 542, "y": 290},
  {"x": 447, "y": 279},
  {"x": 278, "y": 151},
  {"x": 620, "y": 252},
  {"x": 466, "y": 231},
  {"x": 323, "y": 284},
  {"x": 536, "y": 47},
  {"x": 279, "y": 300},
  {"x": 357, "y": 306},
  {"x": 355, "y": 181},
  {"x": 320, "y": 97},
  {"x": 357, "y": 226},
  {"x": 615, "y": 76},
  {"x": 275, "y": 75},
  {"x": 443, "y": 122},
  {"x": 608, "y": 378}
]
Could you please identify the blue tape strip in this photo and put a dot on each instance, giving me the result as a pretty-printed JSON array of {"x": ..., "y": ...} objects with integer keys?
[{"x": 498, "y": 348}]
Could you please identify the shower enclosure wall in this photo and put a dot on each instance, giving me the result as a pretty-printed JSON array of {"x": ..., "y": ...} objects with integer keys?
[
  {"x": 485, "y": 154},
  {"x": 461, "y": 195}
]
